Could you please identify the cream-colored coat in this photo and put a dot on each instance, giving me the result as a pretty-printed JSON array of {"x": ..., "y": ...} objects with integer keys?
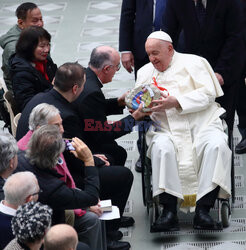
[{"x": 188, "y": 148}]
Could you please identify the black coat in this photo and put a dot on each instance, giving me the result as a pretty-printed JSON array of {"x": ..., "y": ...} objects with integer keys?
[
  {"x": 93, "y": 109},
  {"x": 136, "y": 23},
  {"x": 27, "y": 81},
  {"x": 2, "y": 181},
  {"x": 55, "y": 192},
  {"x": 70, "y": 120},
  {"x": 219, "y": 41}
]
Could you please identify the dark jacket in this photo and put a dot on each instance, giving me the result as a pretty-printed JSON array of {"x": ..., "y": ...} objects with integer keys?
[
  {"x": 136, "y": 23},
  {"x": 6, "y": 234},
  {"x": 27, "y": 81},
  {"x": 219, "y": 41},
  {"x": 2, "y": 181},
  {"x": 8, "y": 42},
  {"x": 93, "y": 109},
  {"x": 70, "y": 119},
  {"x": 56, "y": 194}
]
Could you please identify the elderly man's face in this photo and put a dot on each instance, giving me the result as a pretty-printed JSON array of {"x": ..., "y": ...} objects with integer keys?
[
  {"x": 160, "y": 53},
  {"x": 113, "y": 68},
  {"x": 15, "y": 162},
  {"x": 57, "y": 120}
]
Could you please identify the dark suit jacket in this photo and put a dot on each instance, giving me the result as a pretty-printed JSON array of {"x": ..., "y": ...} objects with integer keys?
[
  {"x": 93, "y": 109},
  {"x": 2, "y": 181},
  {"x": 219, "y": 41},
  {"x": 136, "y": 24},
  {"x": 6, "y": 234},
  {"x": 70, "y": 120}
]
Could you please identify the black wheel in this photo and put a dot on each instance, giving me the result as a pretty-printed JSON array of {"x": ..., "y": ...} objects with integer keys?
[
  {"x": 225, "y": 214},
  {"x": 151, "y": 216}
]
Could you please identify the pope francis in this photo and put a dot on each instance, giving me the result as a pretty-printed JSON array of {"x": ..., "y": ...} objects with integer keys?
[{"x": 191, "y": 161}]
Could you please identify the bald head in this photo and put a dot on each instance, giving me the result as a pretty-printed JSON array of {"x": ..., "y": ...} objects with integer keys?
[
  {"x": 20, "y": 188},
  {"x": 105, "y": 61},
  {"x": 62, "y": 237},
  {"x": 160, "y": 52},
  {"x": 101, "y": 56}
]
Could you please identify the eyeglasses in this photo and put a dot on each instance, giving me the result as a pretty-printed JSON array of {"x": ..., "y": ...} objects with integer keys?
[
  {"x": 118, "y": 66},
  {"x": 37, "y": 193}
]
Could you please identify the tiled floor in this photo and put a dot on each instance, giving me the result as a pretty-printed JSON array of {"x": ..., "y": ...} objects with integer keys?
[{"x": 77, "y": 26}]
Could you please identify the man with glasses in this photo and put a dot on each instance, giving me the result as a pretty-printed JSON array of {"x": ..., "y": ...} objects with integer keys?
[
  {"x": 94, "y": 108},
  {"x": 19, "y": 189}
]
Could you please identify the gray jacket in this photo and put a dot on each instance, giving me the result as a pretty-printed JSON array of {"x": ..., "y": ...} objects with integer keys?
[{"x": 8, "y": 42}]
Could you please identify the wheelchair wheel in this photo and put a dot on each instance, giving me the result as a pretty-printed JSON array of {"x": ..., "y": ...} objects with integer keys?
[
  {"x": 225, "y": 214},
  {"x": 153, "y": 213}
]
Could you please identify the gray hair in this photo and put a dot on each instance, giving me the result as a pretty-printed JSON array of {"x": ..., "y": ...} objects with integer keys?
[
  {"x": 41, "y": 115},
  {"x": 45, "y": 146},
  {"x": 19, "y": 186},
  {"x": 8, "y": 150},
  {"x": 100, "y": 58}
]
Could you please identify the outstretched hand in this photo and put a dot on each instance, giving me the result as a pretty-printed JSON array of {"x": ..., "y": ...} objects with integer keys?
[
  {"x": 121, "y": 99},
  {"x": 139, "y": 114}
]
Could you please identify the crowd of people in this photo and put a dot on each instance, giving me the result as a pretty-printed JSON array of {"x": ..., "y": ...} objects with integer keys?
[{"x": 65, "y": 157}]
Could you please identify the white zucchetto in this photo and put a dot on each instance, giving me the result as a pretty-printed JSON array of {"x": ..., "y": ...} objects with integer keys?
[{"x": 160, "y": 35}]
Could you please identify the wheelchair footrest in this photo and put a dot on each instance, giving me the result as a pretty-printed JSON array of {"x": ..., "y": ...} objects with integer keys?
[
  {"x": 156, "y": 229},
  {"x": 216, "y": 226}
]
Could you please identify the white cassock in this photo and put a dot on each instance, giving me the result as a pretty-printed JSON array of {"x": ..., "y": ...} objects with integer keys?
[{"x": 188, "y": 150}]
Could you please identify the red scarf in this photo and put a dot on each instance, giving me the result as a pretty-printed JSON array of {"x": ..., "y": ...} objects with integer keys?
[{"x": 41, "y": 67}]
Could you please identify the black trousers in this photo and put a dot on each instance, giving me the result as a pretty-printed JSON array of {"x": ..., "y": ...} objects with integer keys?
[
  {"x": 116, "y": 154},
  {"x": 207, "y": 201},
  {"x": 241, "y": 107},
  {"x": 115, "y": 184}
]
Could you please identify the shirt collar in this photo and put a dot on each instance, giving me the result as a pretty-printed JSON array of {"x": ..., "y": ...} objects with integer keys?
[
  {"x": 101, "y": 84},
  {"x": 7, "y": 210},
  {"x": 204, "y": 2}
]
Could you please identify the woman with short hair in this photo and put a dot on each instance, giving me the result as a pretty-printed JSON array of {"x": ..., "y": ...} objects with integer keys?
[{"x": 32, "y": 69}]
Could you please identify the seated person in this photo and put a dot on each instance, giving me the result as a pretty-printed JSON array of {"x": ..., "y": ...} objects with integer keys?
[
  {"x": 191, "y": 161},
  {"x": 61, "y": 237},
  {"x": 29, "y": 226},
  {"x": 115, "y": 181},
  {"x": 44, "y": 114},
  {"x": 43, "y": 152},
  {"x": 28, "y": 14},
  {"x": 8, "y": 156},
  {"x": 32, "y": 69},
  {"x": 19, "y": 189},
  {"x": 93, "y": 108}
]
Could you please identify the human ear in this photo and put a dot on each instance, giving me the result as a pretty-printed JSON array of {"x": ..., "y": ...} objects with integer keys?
[{"x": 20, "y": 23}]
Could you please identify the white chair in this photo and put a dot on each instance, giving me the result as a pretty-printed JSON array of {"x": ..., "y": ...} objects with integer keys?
[
  {"x": 16, "y": 120},
  {"x": 3, "y": 85},
  {"x": 9, "y": 99}
]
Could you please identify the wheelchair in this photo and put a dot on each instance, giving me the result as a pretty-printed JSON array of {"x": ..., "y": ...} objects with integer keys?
[{"x": 152, "y": 204}]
